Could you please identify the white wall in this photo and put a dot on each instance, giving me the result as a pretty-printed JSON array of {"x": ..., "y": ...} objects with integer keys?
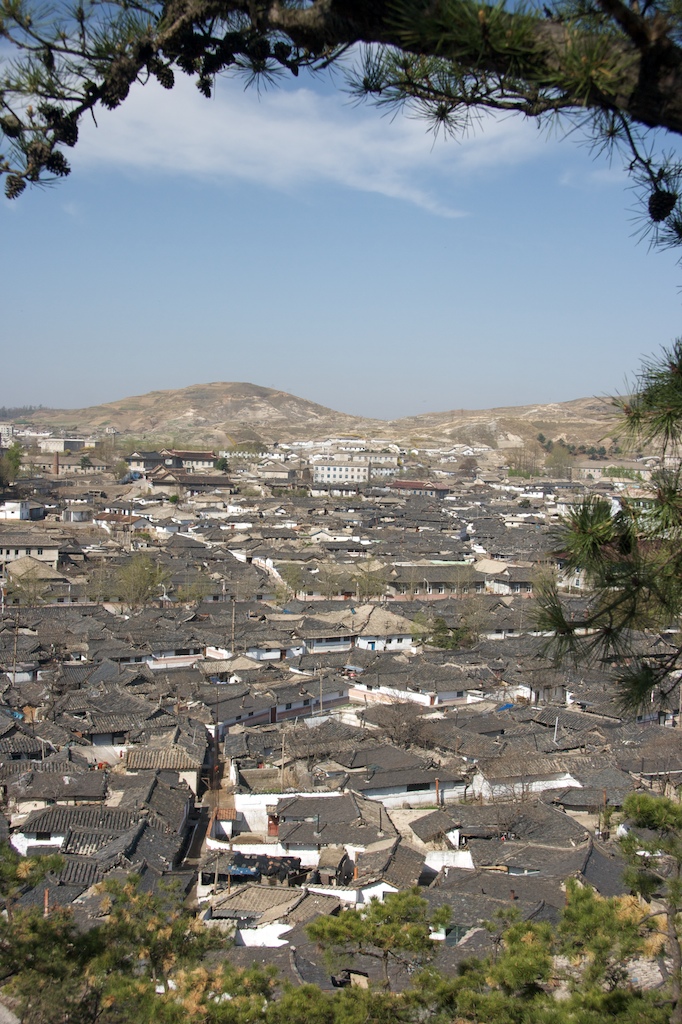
[
  {"x": 269, "y": 935},
  {"x": 437, "y": 859}
]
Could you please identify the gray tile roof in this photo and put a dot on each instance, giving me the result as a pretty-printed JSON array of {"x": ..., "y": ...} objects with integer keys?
[{"x": 60, "y": 819}]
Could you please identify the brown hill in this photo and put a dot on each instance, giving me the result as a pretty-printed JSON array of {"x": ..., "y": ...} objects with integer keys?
[
  {"x": 216, "y": 414},
  {"x": 219, "y": 414}
]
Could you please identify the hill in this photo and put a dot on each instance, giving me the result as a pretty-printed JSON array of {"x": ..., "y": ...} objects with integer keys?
[
  {"x": 219, "y": 414},
  {"x": 214, "y": 414}
]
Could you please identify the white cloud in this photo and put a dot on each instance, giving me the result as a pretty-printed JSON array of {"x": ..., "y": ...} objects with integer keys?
[
  {"x": 580, "y": 177},
  {"x": 287, "y": 138}
]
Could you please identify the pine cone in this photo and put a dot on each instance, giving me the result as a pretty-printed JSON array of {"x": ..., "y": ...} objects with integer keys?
[
  {"x": 14, "y": 186},
  {"x": 57, "y": 164},
  {"x": 11, "y": 126},
  {"x": 661, "y": 204},
  {"x": 66, "y": 130},
  {"x": 164, "y": 76}
]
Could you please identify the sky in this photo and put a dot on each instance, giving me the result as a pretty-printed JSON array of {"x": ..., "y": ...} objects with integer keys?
[{"x": 297, "y": 241}]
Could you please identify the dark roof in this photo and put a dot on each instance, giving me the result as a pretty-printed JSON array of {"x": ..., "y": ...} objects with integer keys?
[
  {"x": 433, "y": 826},
  {"x": 61, "y": 819},
  {"x": 605, "y": 870}
]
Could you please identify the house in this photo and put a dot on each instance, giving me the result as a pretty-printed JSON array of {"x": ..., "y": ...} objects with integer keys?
[
  {"x": 22, "y": 509},
  {"x": 511, "y": 776},
  {"x": 414, "y": 787},
  {"x": 262, "y": 916},
  {"x": 143, "y": 462},
  {"x": 42, "y": 546},
  {"x": 176, "y": 481},
  {"x": 188, "y": 761},
  {"x": 420, "y": 488},
  {"x": 192, "y": 461},
  {"x": 51, "y": 828},
  {"x": 305, "y": 824},
  {"x": 38, "y": 788},
  {"x": 340, "y": 472}
]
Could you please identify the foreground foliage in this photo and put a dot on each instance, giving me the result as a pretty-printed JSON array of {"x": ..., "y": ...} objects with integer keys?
[
  {"x": 150, "y": 960},
  {"x": 631, "y": 555},
  {"x": 612, "y": 68}
]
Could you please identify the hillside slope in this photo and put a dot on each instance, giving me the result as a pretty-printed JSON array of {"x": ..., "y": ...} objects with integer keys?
[{"x": 219, "y": 414}]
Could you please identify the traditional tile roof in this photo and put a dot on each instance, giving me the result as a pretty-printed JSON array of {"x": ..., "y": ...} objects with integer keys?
[
  {"x": 60, "y": 819},
  {"x": 433, "y": 826},
  {"x": 256, "y": 903},
  {"x": 175, "y": 758}
]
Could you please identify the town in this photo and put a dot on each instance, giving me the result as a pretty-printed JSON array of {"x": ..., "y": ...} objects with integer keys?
[{"x": 299, "y": 677}]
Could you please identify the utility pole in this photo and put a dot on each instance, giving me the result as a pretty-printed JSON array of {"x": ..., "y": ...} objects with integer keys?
[
  {"x": 281, "y": 771},
  {"x": 216, "y": 745},
  {"x": 16, "y": 644}
]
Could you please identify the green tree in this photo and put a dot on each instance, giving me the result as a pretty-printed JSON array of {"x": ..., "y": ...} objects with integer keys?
[
  {"x": 152, "y": 930},
  {"x": 441, "y": 635},
  {"x": 45, "y": 965},
  {"x": 397, "y": 931},
  {"x": 292, "y": 577},
  {"x": 195, "y": 588},
  {"x": 463, "y": 635},
  {"x": 559, "y": 462},
  {"x": 370, "y": 579},
  {"x": 10, "y": 463},
  {"x": 85, "y": 462},
  {"x": 611, "y": 68},
  {"x": 222, "y": 464},
  {"x": 17, "y": 874},
  {"x": 140, "y": 580},
  {"x": 631, "y": 556},
  {"x": 28, "y": 589},
  {"x": 330, "y": 578},
  {"x": 656, "y": 873},
  {"x": 421, "y": 626},
  {"x": 600, "y": 935}
]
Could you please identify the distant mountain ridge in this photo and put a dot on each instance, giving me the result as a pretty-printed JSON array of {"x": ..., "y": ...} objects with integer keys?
[{"x": 221, "y": 413}]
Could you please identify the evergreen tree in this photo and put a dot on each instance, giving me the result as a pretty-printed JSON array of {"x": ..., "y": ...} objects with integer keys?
[
  {"x": 397, "y": 931},
  {"x": 631, "y": 555},
  {"x": 656, "y": 873},
  {"x": 610, "y": 67}
]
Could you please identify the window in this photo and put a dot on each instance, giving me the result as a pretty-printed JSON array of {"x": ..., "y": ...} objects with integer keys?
[
  {"x": 417, "y": 787},
  {"x": 306, "y": 702},
  {"x": 287, "y": 707},
  {"x": 40, "y": 551},
  {"x": 43, "y": 837}
]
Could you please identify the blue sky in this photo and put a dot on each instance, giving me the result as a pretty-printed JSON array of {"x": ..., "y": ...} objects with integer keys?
[{"x": 296, "y": 241}]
